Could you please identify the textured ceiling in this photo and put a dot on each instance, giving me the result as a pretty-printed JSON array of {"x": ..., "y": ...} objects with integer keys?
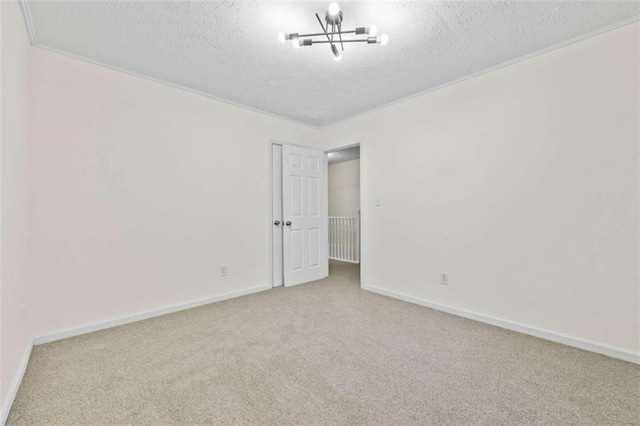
[
  {"x": 342, "y": 155},
  {"x": 230, "y": 50}
]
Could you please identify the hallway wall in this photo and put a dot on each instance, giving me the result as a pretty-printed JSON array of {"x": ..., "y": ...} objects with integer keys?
[{"x": 344, "y": 188}]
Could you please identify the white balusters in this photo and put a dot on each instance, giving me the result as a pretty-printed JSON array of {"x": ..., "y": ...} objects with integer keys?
[{"x": 344, "y": 239}]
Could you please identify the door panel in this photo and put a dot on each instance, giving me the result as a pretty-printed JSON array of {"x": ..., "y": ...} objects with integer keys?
[
  {"x": 305, "y": 212},
  {"x": 295, "y": 197},
  {"x": 314, "y": 196},
  {"x": 296, "y": 250},
  {"x": 314, "y": 240}
]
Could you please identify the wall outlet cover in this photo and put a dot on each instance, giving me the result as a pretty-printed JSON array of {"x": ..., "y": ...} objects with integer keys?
[{"x": 444, "y": 278}]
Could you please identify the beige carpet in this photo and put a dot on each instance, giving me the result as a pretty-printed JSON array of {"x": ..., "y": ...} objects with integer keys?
[{"x": 321, "y": 353}]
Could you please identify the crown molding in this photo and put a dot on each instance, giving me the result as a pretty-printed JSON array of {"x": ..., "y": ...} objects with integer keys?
[
  {"x": 172, "y": 85},
  {"x": 34, "y": 42},
  {"x": 31, "y": 29},
  {"x": 490, "y": 69},
  {"x": 26, "y": 12}
]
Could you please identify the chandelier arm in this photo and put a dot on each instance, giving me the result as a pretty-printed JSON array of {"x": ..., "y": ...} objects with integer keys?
[
  {"x": 343, "y": 41},
  {"x": 321, "y": 34},
  {"x": 340, "y": 35},
  {"x": 325, "y": 31}
]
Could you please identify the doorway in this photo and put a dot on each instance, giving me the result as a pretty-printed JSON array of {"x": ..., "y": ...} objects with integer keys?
[
  {"x": 315, "y": 214},
  {"x": 344, "y": 220}
]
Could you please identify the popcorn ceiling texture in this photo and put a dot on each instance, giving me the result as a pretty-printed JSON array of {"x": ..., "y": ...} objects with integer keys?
[
  {"x": 230, "y": 50},
  {"x": 342, "y": 155}
]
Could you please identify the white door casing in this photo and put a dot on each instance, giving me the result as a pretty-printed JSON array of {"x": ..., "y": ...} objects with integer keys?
[
  {"x": 304, "y": 210},
  {"x": 276, "y": 215}
]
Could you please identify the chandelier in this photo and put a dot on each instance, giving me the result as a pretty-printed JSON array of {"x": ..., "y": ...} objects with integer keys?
[{"x": 332, "y": 34}]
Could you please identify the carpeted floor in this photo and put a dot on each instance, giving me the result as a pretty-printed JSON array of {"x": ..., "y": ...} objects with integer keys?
[{"x": 321, "y": 353}]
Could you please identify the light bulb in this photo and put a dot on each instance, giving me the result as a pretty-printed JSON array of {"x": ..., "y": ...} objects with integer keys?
[
  {"x": 334, "y": 9},
  {"x": 282, "y": 37},
  {"x": 296, "y": 42},
  {"x": 384, "y": 39},
  {"x": 373, "y": 30},
  {"x": 337, "y": 55}
]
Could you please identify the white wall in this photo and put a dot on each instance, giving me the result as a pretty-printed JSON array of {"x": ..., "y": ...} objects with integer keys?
[
  {"x": 14, "y": 330},
  {"x": 521, "y": 183},
  {"x": 2, "y": 394},
  {"x": 344, "y": 188},
  {"x": 141, "y": 193}
]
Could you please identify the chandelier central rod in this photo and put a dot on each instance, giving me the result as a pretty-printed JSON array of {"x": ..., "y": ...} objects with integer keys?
[{"x": 325, "y": 31}]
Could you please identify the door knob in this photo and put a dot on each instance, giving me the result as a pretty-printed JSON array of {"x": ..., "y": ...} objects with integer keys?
[
  {"x": 276, "y": 223},
  {"x": 288, "y": 223}
]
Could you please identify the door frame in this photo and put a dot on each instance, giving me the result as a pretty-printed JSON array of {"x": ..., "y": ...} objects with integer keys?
[
  {"x": 270, "y": 219},
  {"x": 270, "y": 200},
  {"x": 337, "y": 147}
]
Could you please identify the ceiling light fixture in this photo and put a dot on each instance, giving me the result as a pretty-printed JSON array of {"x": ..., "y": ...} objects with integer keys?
[{"x": 333, "y": 28}]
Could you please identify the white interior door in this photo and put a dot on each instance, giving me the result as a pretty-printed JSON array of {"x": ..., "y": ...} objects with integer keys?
[{"x": 304, "y": 209}]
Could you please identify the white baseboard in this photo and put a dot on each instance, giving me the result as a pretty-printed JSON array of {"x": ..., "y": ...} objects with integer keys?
[
  {"x": 114, "y": 322},
  {"x": 15, "y": 384},
  {"x": 514, "y": 326},
  {"x": 88, "y": 328}
]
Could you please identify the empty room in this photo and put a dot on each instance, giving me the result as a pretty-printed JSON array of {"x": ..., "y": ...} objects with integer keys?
[{"x": 319, "y": 213}]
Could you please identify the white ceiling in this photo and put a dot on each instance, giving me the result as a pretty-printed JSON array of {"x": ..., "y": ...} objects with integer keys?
[
  {"x": 342, "y": 155},
  {"x": 229, "y": 49}
]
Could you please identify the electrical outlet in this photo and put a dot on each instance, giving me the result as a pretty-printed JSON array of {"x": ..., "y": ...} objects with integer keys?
[
  {"x": 444, "y": 278},
  {"x": 224, "y": 271}
]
